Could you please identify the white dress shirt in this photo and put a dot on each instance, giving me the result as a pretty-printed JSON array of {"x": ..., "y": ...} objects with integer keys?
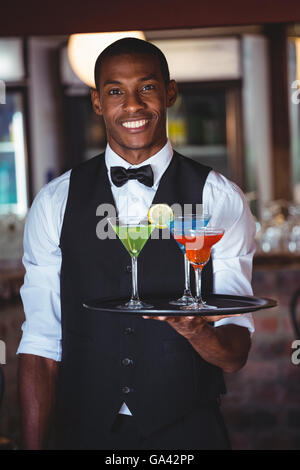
[{"x": 232, "y": 266}]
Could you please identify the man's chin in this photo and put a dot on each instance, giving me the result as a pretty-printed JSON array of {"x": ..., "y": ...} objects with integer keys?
[
  {"x": 145, "y": 146},
  {"x": 135, "y": 145}
]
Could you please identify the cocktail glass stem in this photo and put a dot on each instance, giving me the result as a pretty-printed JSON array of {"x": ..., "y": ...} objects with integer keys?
[
  {"x": 134, "y": 295},
  {"x": 187, "y": 282},
  {"x": 187, "y": 296},
  {"x": 198, "y": 302},
  {"x": 198, "y": 297}
]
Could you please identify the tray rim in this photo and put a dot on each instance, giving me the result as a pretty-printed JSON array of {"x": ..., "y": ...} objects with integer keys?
[{"x": 265, "y": 302}]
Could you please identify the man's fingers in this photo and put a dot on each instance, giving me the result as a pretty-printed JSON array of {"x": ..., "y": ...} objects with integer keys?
[
  {"x": 162, "y": 318},
  {"x": 213, "y": 318},
  {"x": 208, "y": 318},
  {"x": 169, "y": 318}
]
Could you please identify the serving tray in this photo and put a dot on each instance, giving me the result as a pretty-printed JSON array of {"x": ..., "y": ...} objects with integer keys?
[{"x": 226, "y": 305}]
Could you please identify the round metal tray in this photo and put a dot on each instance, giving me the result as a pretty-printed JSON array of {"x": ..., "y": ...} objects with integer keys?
[{"x": 226, "y": 305}]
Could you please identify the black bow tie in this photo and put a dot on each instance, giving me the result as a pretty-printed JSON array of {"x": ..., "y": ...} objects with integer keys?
[{"x": 120, "y": 175}]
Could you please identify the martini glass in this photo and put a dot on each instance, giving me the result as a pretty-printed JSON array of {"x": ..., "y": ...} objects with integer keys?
[
  {"x": 198, "y": 244},
  {"x": 133, "y": 233},
  {"x": 180, "y": 224}
]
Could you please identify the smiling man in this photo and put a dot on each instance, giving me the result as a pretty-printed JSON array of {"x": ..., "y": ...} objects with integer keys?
[
  {"x": 126, "y": 382},
  {"x": 133, "y": 96}
]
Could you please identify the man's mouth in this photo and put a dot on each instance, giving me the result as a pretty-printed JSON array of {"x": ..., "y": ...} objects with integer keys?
[{"x": 135, "y": 124}]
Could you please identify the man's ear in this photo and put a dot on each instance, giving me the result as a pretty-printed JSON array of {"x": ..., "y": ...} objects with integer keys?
[
  {"x": 96, "y": 101},
  {"x": 172, "y": 92}
]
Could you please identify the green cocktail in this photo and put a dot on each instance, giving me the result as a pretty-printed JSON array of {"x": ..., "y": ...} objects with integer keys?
[
  {"x": 134, "y": 237},
  {"x": 133, "y": 233}
]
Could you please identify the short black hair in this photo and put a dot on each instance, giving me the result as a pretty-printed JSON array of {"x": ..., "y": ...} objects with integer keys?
[{"x": 131, "y": 46}]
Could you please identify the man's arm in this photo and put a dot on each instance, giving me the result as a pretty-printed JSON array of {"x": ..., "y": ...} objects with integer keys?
[
  {"x": 40, "y": 346},
  {"x": 37, "y": 390}
]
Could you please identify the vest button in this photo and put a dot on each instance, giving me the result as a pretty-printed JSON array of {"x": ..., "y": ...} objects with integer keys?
[
  {"x": 127, "y": 362},
  {"x": 128, "y": 330},
  {"x": 128, "y": 269},
  {"x": 127, "y": 389}
]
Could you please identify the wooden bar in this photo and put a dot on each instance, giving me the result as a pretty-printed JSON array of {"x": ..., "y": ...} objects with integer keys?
[{"x": 276, "y": 261}]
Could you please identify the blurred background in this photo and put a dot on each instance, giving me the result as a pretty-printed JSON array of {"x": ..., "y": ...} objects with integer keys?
[{"x": 238, "y": 71}]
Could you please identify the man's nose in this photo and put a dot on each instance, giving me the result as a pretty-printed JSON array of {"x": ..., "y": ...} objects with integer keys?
[{"x": 133, "y": 102}]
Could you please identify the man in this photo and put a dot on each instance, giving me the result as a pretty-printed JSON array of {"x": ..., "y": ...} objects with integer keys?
[{"x": 125, "y": 382}]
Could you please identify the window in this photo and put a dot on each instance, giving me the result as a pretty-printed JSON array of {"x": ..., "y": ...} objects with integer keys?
[
  {"x": 13, "y": 152},
  {"x": 13, "y": 172}
]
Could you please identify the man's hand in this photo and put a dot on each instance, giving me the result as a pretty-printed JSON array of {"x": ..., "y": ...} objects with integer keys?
[
  {"x": 187, "y": 326},
  {"x": 225, "y": 346},
  {"x": 190, "y": 325}
]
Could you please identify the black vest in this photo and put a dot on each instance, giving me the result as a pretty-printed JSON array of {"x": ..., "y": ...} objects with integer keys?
[{"x": 164, "y": 378}]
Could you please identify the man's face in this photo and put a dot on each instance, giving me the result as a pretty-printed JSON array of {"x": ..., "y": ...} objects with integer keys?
[{"x": 133, "y": 99}]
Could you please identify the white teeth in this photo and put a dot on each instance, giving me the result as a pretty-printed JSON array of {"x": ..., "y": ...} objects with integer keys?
[{"x": 134, "y": 124}]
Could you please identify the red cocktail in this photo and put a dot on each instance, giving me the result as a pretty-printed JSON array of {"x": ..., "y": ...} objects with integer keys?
[
  {"x": 198, "y": 244},
  {"x": 198, "y": 247}
]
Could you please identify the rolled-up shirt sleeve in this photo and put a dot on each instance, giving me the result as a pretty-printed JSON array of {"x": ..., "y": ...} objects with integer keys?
[
  {"x": 233, "y": 254},
  {"x": 40, "y": 292}
]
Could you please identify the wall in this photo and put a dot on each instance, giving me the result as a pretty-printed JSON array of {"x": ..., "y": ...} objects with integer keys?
[
  {"x": 59, "y": 17},
  {"x": 262, "y": 406},
  {"x": 46, "y": 113}
]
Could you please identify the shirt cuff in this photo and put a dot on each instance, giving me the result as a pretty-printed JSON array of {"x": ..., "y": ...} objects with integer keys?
[
  {"x": 40, "y": 346},
  {"x": 245, "y": 320}
]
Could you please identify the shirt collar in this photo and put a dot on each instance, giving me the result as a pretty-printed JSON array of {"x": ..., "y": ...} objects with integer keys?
[{"x": 159, "y": 162}]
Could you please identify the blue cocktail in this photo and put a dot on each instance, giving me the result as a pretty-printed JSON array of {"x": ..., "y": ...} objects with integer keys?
[{"x": 183, "y": 224}]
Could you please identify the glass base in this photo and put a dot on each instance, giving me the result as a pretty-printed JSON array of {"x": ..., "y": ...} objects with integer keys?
[
  {"x": 199, "y": 306},
  {"x": 186, "y": 299},
  {"x": 135, "y": 305}
]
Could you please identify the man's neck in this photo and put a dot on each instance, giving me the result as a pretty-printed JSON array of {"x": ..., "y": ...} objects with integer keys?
[{"x": 136, "y": 156}]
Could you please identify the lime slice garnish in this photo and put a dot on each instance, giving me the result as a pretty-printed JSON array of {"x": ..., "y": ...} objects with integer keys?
[{"x": 160, "y": 215}]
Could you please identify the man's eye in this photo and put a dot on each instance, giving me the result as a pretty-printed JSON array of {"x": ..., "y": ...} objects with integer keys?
[
  {"x": 148, "y": 87},
  {"x": 114, "y": 91}
]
